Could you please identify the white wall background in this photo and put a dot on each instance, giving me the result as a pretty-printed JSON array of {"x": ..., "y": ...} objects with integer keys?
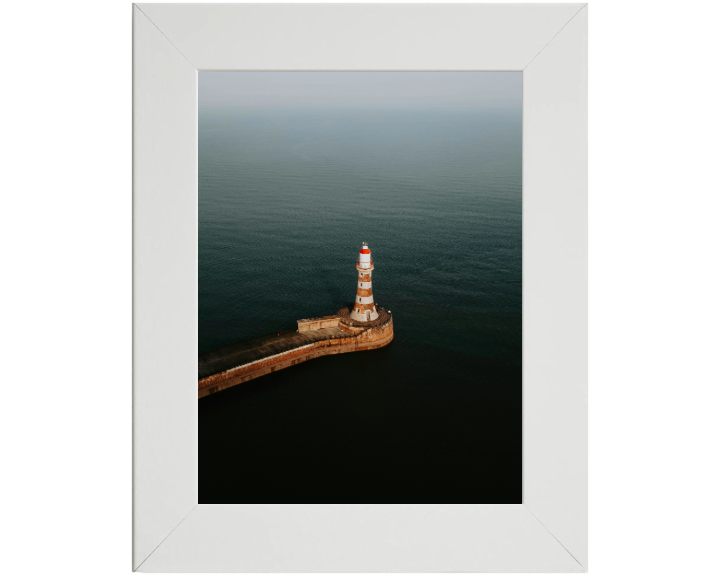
[{"x": 65, "y": 232}]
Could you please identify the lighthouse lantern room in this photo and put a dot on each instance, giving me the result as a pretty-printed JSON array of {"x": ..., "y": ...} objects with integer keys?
[{"x": 364, "y": 309}]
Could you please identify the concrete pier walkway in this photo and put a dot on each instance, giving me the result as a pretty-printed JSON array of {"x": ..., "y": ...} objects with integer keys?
[
  {"x": 245, "y": 352},
  {"x": 232, "y": 365}
]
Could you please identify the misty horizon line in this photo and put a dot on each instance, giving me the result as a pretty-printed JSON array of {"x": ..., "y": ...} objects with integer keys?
[{"x": 356, "y": 106}]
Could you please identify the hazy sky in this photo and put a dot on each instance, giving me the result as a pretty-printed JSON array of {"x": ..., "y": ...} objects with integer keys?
[{"x": 360, "y": 89}]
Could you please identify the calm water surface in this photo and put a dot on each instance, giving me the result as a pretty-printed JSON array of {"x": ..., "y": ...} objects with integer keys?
[{"x": 286, "y": 197}]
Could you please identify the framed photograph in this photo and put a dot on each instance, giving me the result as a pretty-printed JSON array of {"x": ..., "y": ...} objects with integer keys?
[{"x": 364, "y": 228}]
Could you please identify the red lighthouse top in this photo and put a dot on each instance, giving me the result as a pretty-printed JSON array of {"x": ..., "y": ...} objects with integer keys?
[{"x": 364, "y": 262}]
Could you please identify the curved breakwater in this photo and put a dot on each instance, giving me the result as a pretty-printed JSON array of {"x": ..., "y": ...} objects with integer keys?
[{"x": 315, "y": 337}]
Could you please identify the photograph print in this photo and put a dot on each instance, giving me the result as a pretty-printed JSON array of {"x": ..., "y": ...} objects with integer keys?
[{"x": 360, "y": 287}]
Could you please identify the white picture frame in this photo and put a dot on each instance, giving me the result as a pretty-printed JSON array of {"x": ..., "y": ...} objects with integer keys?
[{"x": 548, "y": 531}]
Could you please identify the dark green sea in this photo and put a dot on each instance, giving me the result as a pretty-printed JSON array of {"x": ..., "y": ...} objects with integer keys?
[{"x": 286, "y": 198}]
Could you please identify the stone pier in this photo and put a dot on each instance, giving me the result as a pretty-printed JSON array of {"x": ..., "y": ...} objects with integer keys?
[{"x": 314, "y": 337}]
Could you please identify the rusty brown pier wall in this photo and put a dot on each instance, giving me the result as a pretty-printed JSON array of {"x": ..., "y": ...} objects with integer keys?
[{"x": 313, "y": 338}]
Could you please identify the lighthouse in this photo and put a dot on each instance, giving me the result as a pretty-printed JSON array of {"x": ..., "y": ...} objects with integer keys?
[{"x": 364, "y": 309}]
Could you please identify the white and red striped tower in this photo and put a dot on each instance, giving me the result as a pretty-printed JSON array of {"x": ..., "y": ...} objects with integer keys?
[{"x": 364, "y": 309}]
